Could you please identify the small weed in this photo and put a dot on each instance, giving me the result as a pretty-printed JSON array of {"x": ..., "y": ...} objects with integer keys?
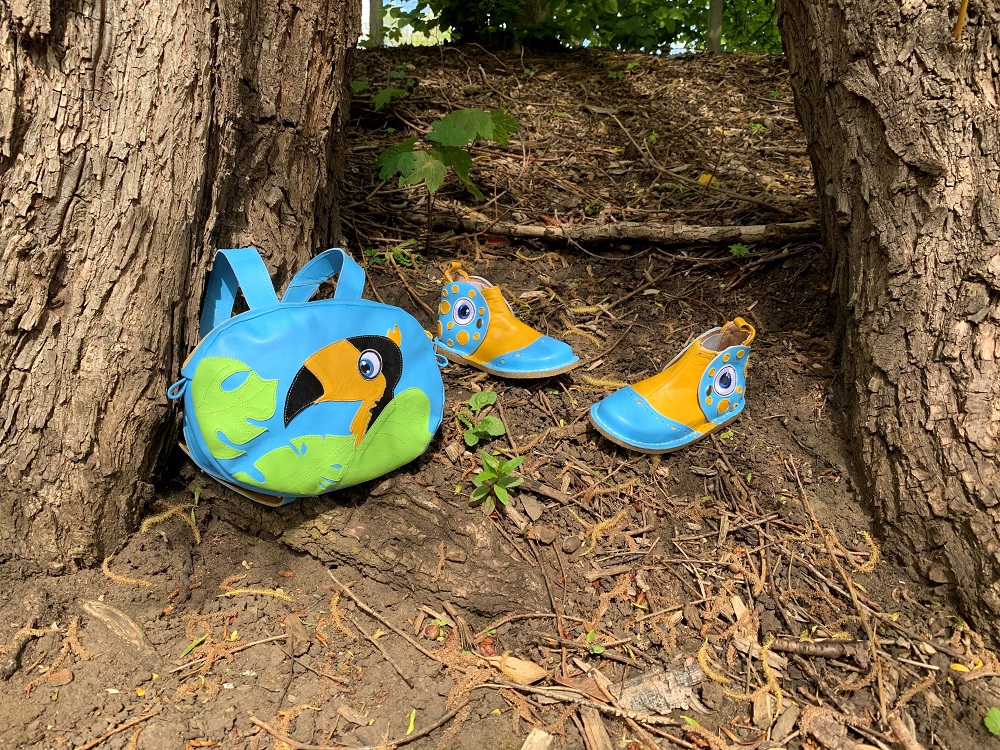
[
  {"x": 653, "y": 137},
  {"x": 484, "y": 428},
  {"x": 756, "y": 127},
  {"x": 445, "y": 146},
  {"x": 739, "y": 250},
  {"x": 360, "y": 86},
  {"x": 775, "y": 94},
  {"x": 401, "y": 254},
  {"x": 615, "y": 74},
  {"x": 992, "y": 720},
  {"x": 594, "y": 647},
  {"x": 494, "y": 481}
]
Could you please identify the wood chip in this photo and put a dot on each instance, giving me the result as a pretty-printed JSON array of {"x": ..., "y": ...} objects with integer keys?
[
  {"x": 595, "y": 733},
  {"x": 539, "y": 739}
]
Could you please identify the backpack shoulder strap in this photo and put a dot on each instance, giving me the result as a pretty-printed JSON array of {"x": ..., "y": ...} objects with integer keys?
[
  {"x": 350, "y": 283},
  {"x": 235, "y": 270}
]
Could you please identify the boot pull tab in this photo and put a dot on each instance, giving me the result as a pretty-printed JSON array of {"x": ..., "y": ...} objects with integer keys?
[
  {"x": 745, "y": 328},
  {"x": 455, "y": 267}
]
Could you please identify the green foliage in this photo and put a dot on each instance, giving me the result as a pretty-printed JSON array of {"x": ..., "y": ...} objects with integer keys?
[
  {"x": 642, "y": 25},
  {"x": 400, "y": 254},
  {"x": 444, "y": 147},
  {"x": 992, "y": 720},
  {"x": 595, "y": 647},
  {"x": 386, "y": 95},
  {"x": 491, "y": 485},
  {"x": 739, "y": 250},
  {"x": 480, "y": 428}
]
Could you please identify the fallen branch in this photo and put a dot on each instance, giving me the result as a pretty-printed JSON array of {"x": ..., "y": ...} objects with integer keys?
[
  {"x": 120, "y": 728},
  {"x": 649, "y": 231}
]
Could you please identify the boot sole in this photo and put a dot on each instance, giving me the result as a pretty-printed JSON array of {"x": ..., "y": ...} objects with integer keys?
[
  {"x": 458, "y": 360},
  {"x": 654, "y": 451}
]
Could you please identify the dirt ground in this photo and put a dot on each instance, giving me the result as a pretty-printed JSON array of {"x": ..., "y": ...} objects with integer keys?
[{"x": 733, "y": 594}]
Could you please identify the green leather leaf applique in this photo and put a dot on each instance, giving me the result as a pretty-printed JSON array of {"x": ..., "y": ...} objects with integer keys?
[
  {"x": 397, "y": 437},
  {"x": 227, "y": 410},
  {"x": 311, "y": 465}
]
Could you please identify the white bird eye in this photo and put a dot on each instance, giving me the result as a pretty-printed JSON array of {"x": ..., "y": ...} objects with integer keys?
[
  {"x": 370, "y": 364},
  {"x": 725, "y": 380},
  {"x": 464, "y": 311}
]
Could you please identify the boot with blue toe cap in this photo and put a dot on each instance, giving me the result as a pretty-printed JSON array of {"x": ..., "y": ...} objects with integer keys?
[
  {"x": 477, "y": 327},
  {"x": 700, "y": 391}
]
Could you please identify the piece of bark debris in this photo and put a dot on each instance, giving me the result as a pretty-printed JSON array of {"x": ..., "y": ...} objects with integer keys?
[
  {"x": 785, "y": 723},
  {"x": 660, "y": 692}
]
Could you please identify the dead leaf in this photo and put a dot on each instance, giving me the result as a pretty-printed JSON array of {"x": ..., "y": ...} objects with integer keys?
[
  {"x": 60, "y": 677},
  {"x": 353, "y": 716},
  {"x": 521, "y": 671}
]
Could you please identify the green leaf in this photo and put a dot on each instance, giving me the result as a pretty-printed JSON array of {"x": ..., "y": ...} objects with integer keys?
[
  {"x": 397, "y": 436},
  {"x": 591, "y": 636},
  {"x": 385, "y": 96},
  {"x": 397, "y": 158},
  {"x": 460, "y": 161},
  {"x": 690, "y": 721},
  {"x": 490, "y": 505},
  {"x": 503, "y": 126},
  {"x": 509, "y": 481},
  {"x": 491, "y": 426},
  {"x": 992, "y": 720},
  {"x": 481, "y": 400},
  {"x": 427, "y": 169},
  {"x": 597, "y": 648},
  {"x": 489, "y": 461},
  {"x": 462, "y": 127},
  {"x": 309, "y": 465},
  {"x": 463, "y": 417},
  {"x": 471, "y": 437},
  {"x": 226, "y": 411},
  {"x": 360, "y": 85},
  {"x": 739, "y": 250},
  {"x": 198, "y": 641},
  {"x": 479, "y": 493},
  {"x": 501, "y": 494},
  {"x": 509, "y": 466}
]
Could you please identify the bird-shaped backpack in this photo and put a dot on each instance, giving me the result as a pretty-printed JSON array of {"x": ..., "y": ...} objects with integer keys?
[{"x": 295, "y": 398}]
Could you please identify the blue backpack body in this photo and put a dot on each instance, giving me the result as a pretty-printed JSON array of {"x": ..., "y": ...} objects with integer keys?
[{"x": 295, "y": 398}]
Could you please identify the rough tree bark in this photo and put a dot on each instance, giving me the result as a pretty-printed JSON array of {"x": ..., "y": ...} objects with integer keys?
[
  {"x": 135, "y": 139},
  {"x": 904, "y": 133}
]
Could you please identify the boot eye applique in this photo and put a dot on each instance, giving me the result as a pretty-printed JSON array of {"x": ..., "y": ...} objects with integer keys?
[
  {"x": 464, "y": 311},
  {"x": 725, "y": 380}
]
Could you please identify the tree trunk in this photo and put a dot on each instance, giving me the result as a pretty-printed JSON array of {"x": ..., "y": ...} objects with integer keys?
[
  {"x": 135, "y": 139},
  {"x": 715, "y": 8},
  {"x": 904, "y": 132}
]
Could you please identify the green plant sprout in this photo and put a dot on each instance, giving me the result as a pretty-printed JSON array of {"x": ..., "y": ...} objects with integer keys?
[
  {"x": 739, "y": 250},
  {"x": 992, "y": 720},
  {"x": 595, "y": 648},
  {"x": 445, "y": 146},
  {"x": 401, "y": 255},
  {"x": 485, "y": 428},
  {"x": 494, "y": 481}
]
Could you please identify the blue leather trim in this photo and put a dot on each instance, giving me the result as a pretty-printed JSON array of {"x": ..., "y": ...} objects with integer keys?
[
  {"x": 708, "y": 387},
  {"x": 234, "y": 270},
  {"x": 476, "y": 324},
  {"x": 629, "y": 419},
  {"x": 542, "y": 355},
  {"x": 326, "y": 265}
]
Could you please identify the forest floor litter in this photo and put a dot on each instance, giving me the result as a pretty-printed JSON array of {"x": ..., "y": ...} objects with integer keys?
[{"x": 732, "y": 594}]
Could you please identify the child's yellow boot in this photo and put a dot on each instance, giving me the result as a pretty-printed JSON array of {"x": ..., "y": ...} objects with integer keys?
[
  {"x": 701, "y": 390},
  {"x": 477, "y": 327}
]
